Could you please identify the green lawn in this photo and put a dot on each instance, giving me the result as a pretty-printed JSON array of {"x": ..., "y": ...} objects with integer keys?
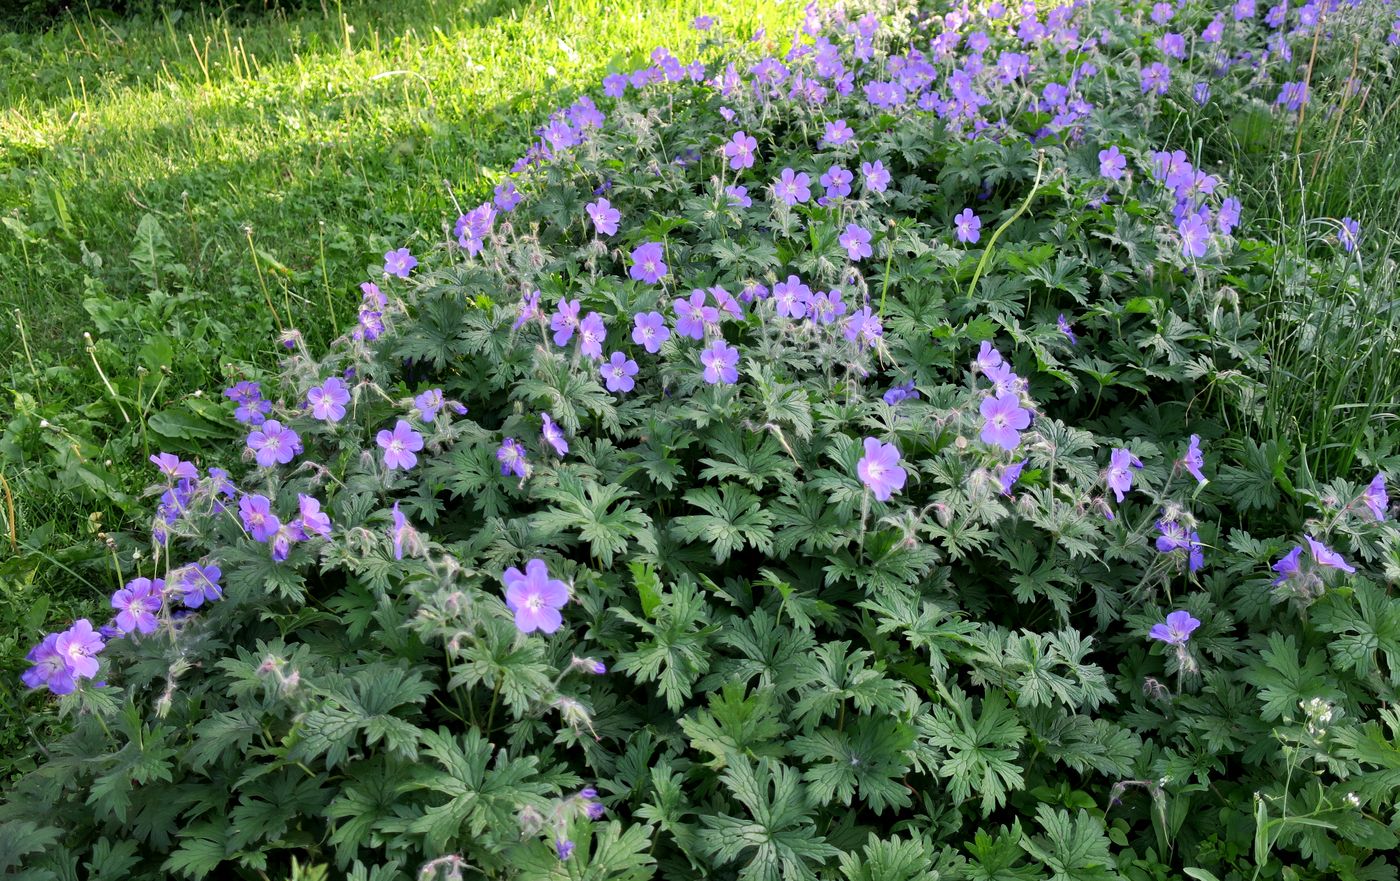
[{"x": 168, "y": 185}]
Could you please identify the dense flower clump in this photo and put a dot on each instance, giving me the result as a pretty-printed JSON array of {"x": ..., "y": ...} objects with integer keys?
[{"x": 831, "y": 462}]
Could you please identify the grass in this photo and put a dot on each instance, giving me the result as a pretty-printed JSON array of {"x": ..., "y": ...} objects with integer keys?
[{"x": 181, "y": 186}]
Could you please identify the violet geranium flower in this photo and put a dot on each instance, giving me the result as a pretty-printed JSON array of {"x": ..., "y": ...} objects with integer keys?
[
  {"x": 650, "y": 331},
  {"x": 591, "y": 334},
  {"x": 258, "y": 519},
  {"x": 273, "y": 444},
  {"x": 197, "y": 584},
  {"x": 511, "y": 455},
  {"x": 968, "y": 227},
  {"x": 1327, "y": 557},
  {"x": 1003, "y": 421},
  {"x": 879, "y": 469},
  {"x": 399, "y": 262},
  {"x": 1194, "y": 459},
  {"x": 327, "y": 400},
  {"x": 1120, "y": 474},
  {"x": 1176, "y": 630},
  {"x": 648, "y": 263},
  {"x": 856, "y": 241},
  {"x": 535, "y": 598},
  {"x": 604, "y": 216},
  {"x": 721, "y": 362},
  {"x": 1375, "y": 497},
  {"x": 173, "y": 467},
  {"x": 553, "y": 435},
  {"x": 137, "y": 605},
  {"x": 618, "y": 373},
  {"x": 399, "y": 446}
]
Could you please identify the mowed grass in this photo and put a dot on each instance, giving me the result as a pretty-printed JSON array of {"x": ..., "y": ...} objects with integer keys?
[{"x": 181, "y": 187}]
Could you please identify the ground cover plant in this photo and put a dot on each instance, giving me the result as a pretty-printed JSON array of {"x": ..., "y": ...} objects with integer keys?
[
  {"x": 179, "y": 188},
  {"x": 842, "y": 461}
]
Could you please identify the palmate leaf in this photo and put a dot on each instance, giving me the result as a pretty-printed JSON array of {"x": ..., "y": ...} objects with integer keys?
[
  {"x": 368, "y": 703},
  {"x": 779, "y": 839},
  {"x": 674, "y": 654},
  {"x": 735, "y": 725},
  {"x": 481, "y": 795},
  {"x": 734, "y": 519},
  {"x": 1283, "y": 680},
  {"x": 981, "y": 750},
  {"x": 363, "y": 808},
  {"x": 602, "y": 852},
  {"x": 597, "y": 512},
  {"x": 1366, "y": 627},
  {"x": 756, "y": 458},
  {"x": 893, "y": 859},
  {"x": 837, "y": 674},
  {"x": 1072, "y": 848},
  {"x": 866, "y": 760}
]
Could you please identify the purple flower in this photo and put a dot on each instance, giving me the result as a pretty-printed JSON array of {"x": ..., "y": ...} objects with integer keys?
[
  {"x": 1063, "y": 324},
  {"x": 1200, "y": 93},
  {"x": 604, "y": 216},
  {"x": 837, "y": 182},
  {"x": 564, "y": 321},
  {"x": 282, "y": 541},
  {"x": 1175, "y": 537},
  {"x": 399, "y": 446},
  {"x": 49, "y": 669},
  {"x": 792, "y": 298},
  {"x": 1229, "y": 216},
  {"x": 864, "y": 327},
  {"x": 721, "y": 362},
  {"x": 1288, "y": 565},
  {"x": 1004, "y": 381},
  {"x": 899, "y": 393},
  {"x": 837, "y": 133},
  {"x": 1120, "y": 475},
  {"x": 739, "y": 196},
  {"x": 875, "y": 176},
  {"x": 197, "y": 584},
  {"x": 564, "y": 848},
  {"x": 1327, "y": 557},
  {"x": 1156, "y": 77},
  {"x": 1293, "y": 95},
  {"x": 827, "y": 306},
  {"x": 257, "y": 516},
  {"x": 252, "y": 409},
  {"x": 399, "y": 262},
  {"x": 647, "y": 263},
  {"x": 692, "y": 315},
  {"x": 506, "y": 196},
  {"x": 1195, "y": 237},
  {"x": 174, "y": 468},
  {"x": 311, "y": 519},
  {"x": 1112, "y": 163},
  {"x": 1178, "y": 628},
  {"x": 879, "y": 469},
  {"x": 398, "y": 531},
  {"x": 1349, "y": 234},
  {"x": 591, "y": 334},
  {"x": 988, "y": 357},
  {"x": 1194, "y": 459},
  {"x": 792, "y": 188},
  {"x": 1009, "y": 475},
  {"x": 702, "y": 23},
  {"x": 553, "y": 435},
  {"x": 650, "y": 331},
  {"x": 511, "y": 455},
  {"x": 137, "y": 605},
  {"x": 1003, "y": 420},
  {"x": 856, "y": 241},
  {"x": 618, "y": 373},
  {"x": 528, "y": 311},
  {"x": 327, "y": 400},
  {"x": 1375, "y": 496},
  {"x": 968, "y": 226},
  {"x": 272, "y": 444},
  {"x": 535, "y": 598},
  {"x": 740, "y": 151}
]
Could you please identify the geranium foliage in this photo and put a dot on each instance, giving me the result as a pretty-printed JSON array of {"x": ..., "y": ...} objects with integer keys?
[{"x": 834, "y": 462}]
